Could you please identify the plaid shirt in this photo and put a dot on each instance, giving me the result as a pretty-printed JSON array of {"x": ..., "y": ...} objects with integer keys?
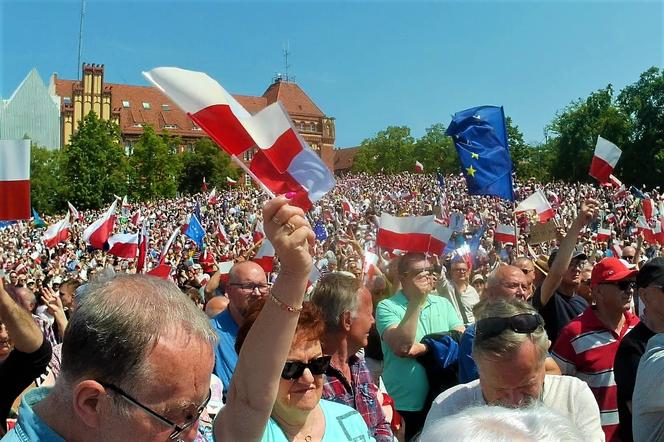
[{"x": 359, "y": 394}]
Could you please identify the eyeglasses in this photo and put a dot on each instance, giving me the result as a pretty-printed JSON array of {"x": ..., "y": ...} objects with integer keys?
[
  {"x": 177, "y": 429},
  {"x": 294, "y": 369},
  {"x": 460, "y": 270},
  {"x": 623, "y": 285},
  {"x": 426, "y": 271},
  {"x": 576, "y": 264},
  {"x": 521, "y": 323},
  {"x": 250, "y": 287}
]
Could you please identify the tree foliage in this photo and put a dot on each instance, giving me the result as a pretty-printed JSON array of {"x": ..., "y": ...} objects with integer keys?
[
  {"x": 93, "y": 166},
  {"x": 436, "y": 151},
  {"x": 390, "y": 151},
  {"x": 45, "y": 179},
  {"x": 205, "y": 160}
]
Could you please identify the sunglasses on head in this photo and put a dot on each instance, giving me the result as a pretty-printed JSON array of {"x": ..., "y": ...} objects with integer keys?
[
  {"x": 521, "y": 323},
  {"x": 294, "y": 369}
]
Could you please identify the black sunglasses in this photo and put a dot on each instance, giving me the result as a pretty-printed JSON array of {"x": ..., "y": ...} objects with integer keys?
[
  {"x": 628, "y": 258},
  {"x": 521, "y": 323},
  {"x": 623, "y": 285},
  {"x": 177, "y": 429},
  {"x": 294, "y": 369}
]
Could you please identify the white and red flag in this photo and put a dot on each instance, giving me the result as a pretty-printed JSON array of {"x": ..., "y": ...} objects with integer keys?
[
  {"x": 75, "y": 215},
  {"x": 370, "y": 266},
  {"x": 222, "y": 236},
  {"x": 212, "y": 198},
  {"x": 98, "y": 232},
  {"x": 504, "y": 234},
  {"x": 648, "y": 208},
  {"x": 231, "y": 181},
  {"x": 14, "y": 180},
  {"x": 620, "y": 194},
  {"x": 265, "y": 256},
  {"x": 652, "y": 234},
  {"x": 57, "y": 232},
  {"x": 419, "y": 168},
  {"x": 143, "y": 240},
  {"x": 136, "y": 218},
  {"x": 204, "y": 185},
  {"x": 347, "y": 206},
  {"x": 604, "y": 160},
  {"x": 615, "y": 182},
  {"x": 123, "y": 245},
  {"x": 167, "y": 246},
  {"x": 412, "y": 234},
  {"x": 162, "y": 271},
  {"x": 259, "y": 232},
  {"x": 603, "y": 234},
  {"x": 283, "y": 161},
  {"x": 537, "y": 202}
]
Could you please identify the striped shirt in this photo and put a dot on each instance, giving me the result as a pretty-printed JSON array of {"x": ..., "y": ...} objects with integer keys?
[{"x": 586, "y": 349}]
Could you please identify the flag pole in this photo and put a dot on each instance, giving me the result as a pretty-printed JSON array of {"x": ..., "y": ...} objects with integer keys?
[
  {"x": 246, "y": 169},
  {"x": 516, "y": 233}
]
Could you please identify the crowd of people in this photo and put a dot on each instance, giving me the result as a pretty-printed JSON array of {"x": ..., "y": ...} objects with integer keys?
[{"x": 393, "y": 349}]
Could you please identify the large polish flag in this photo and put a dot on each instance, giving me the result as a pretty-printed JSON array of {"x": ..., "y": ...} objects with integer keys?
[
  {"x": 123, "y": 245},
  {"x": 537, "y": 202},
  {"x": 57, "y": 232},
  {"x": 412, "y": 234},
  {"x": 604, "y": 160},
  {"x": 504, "y": 234},
  {"x": 14, "y": 180},
  {"x": 265, "y": 256},
  {"x": 283, "y": 161},
  {"x": 97, "y": 233}
]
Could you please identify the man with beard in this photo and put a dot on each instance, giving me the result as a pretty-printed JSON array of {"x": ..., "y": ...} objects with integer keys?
[{"x": 510, "y": 350}]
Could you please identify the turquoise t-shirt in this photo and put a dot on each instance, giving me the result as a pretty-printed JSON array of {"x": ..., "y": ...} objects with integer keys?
[
  {"x": 342, "y": 423},
  {"x": 405, "y": 378}
]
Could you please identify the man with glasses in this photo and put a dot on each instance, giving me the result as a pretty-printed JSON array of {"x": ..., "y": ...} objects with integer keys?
[
  {"x": 402, "y": 320},
  {"x": 246, "y": 283},
  {"x": 136, "y": 363},
  {"x": 587, "y": 346},
  {"x": 459, "y": 291},
  {"x": 510, "y": 349},
  {"x": 528, "y": 268},
  {"x": 649, "y": 281}
]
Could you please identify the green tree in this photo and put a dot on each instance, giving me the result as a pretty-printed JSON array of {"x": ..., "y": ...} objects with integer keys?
[
  {"x": 205, "y": 160},
  {"x": 642, "y": 161},
  {"x": 436, "y": 151},
  {"x": 390, "y": 151},
  {"x": 93, "y": 165},
  {"x": 155, "y": 167},
  {"x": 45, "y": 179}
]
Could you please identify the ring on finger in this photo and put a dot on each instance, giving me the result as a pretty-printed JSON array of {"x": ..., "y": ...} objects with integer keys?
[
  {"x": 289, "y": 227},
  {"x": 276, "y": 220}
]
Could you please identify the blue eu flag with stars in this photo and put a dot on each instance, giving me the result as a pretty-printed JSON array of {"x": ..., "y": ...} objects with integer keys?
[
  {"x": 320, "y": 231},
  {"x": 195, "y": 231},
  {"x": 480, "y": 137}
]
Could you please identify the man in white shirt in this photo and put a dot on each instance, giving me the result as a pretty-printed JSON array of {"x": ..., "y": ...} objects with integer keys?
[
  {"x": 458, "y": 290},
  {"x": 510, "y": 348}
]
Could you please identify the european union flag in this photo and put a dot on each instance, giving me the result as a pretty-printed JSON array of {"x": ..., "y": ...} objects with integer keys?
[
  {"x": 195, "y": 231},
  {"x": 637, "y": 193},
  {"x": 441, "y": 180},
  {"x": 480, "y": 137},
  {"x": 320, "y": 231}
]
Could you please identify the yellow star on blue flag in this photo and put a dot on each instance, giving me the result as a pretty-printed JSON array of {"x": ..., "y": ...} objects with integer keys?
[{"x": 471, "y": 171}]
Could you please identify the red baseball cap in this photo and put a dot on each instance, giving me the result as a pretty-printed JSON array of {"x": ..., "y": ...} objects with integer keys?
[{"x": 610, "y": 270}]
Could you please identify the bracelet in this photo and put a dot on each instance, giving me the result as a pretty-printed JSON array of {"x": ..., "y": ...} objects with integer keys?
[{"x": 285, "y": 306}]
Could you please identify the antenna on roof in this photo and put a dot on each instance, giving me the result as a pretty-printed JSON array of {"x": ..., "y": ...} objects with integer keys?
[
  {"x": 287, "y": 66},
  {"x": 80, "y": 39}
]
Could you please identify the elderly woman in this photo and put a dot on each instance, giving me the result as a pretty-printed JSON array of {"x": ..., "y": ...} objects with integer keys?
[{"x": 275, "y": 392}]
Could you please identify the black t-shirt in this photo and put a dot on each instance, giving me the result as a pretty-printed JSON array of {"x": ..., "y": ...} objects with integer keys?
[
  {"x": 559, "y": 311},
  {"x": 629, "y": 353},
  {"x": 17, "y": 372}
]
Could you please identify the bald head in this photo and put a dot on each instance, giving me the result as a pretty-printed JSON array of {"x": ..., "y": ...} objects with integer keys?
[{"x": 507, "y": 282}]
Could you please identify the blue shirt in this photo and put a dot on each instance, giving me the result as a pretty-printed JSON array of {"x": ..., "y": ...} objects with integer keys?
[
  {"x": 467, "y": 366},
  {"x": 225, "y": 357},
  {"x": 29, "y": 427}
]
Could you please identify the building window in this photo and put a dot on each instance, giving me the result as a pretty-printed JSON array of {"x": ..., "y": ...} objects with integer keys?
[
  {"x": 195, "y": 127},
  {"x": 125, "y": 103},
  {"x": 165, "y": 107},
  {"x": 128, "y": 148},
  {"x": 170, "y": 126},
  {"x": 137, "y": 125},
  {"x": 247, "y": 180},
  {"x": 248, "y": 154},
  {"x": 67, "y": 100},
  {"x": 146, "y": 105}
]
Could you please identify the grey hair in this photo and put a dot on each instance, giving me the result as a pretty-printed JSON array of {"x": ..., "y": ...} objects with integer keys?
[
  {"x": 509, "y": 341},
  {"x": 335, "y": 294},
  {"x": 118, "y": 323},
  {"x": 499, "y": 424}
]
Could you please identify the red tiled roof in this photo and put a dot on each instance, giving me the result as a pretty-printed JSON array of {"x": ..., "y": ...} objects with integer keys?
[
  {"x": 344, "y": 158},
  {"x": 294, "y": 99}
]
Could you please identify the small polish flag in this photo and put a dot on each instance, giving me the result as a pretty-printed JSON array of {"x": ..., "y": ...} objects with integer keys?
[
  {"x": 162, "y": 271},
  {"x": 419, "y": 168},
  {"x": 98, "y": 232},
  {"x": 204, "y": 185},
  {"x": 75, "y": 215},
  {"x": 143, "y": 239},
  {"x": 123, "y": 245},
  {"x": 347, "y": 206},
  {"x": 136, "y": 218},
  {"x": 224, "y": 269},
  {"x": 603, "y": 234},
  {"x": 615, "y": 181},
  {"x": 212, "y": 198},
  {"x": 537, "y": 202},
  {"x": 221, "y": 232},
  {"x": 648, "y": 208},
  {"x": 620, "y": 194},
  {"x": 231, "y": 181},
  {"x": 244, "y": 240},
  {"x": 177, "y": 231},
  {"x": 265, "y": 256},
  {"x": 505, "y": 234},
  {"x": 57, "y": 232},
  {"x": 604, "y": 160},
  {"x": 370, "y": 267},
  {"x": 412, "y": 234},
  {"x": 259, "y": 233},
  {"x": 14, "y": 180}
]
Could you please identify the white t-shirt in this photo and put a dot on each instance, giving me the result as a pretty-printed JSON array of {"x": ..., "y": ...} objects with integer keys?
[
  {"x": 648, "y": 397},
  {"x": 566, "y": 394}
]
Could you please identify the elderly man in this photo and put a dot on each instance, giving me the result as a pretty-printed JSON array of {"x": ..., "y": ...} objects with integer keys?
[
  {"x": 136, "y": 364},
  {"x": 348, "y": 312},
  {"x": 402, "y": 320},
  {"x": 587, "y": 345},
  {"x": 246, "y": 282},
  {"x": 24, "y": 352},
  {"x": 528, "y": 268},
  {"x": 510, "y": 349},
  {"x": 458, "y": 290},
  {"x": 650, "y": 281}
]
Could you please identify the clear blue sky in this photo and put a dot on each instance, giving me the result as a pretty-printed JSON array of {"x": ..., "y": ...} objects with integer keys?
[{"x": 369, "y": 64}]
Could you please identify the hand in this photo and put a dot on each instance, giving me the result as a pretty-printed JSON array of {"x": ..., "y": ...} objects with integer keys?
[
  {"x": 589, "y": 209},
  {"x": 291, "y": 235},
  {"x": 53, "y": 303}
]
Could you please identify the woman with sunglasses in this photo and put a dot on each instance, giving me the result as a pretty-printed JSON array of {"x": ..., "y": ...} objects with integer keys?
[{"x": 275, "y": 392}]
